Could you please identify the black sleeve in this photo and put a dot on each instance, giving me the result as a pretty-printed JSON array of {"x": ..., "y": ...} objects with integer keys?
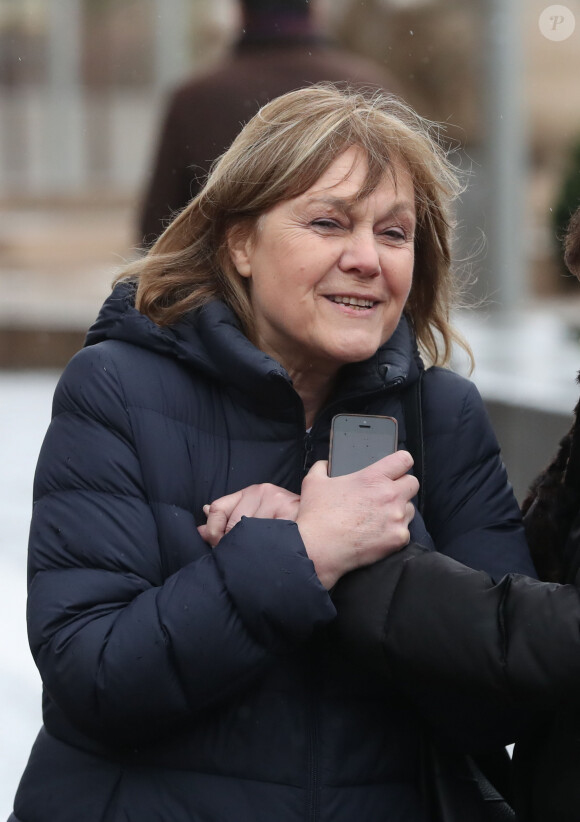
[{"x": 474, "y": 656}]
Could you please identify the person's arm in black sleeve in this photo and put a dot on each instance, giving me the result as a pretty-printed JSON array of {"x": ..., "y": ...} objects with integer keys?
[{"x": 510, "y": 647}]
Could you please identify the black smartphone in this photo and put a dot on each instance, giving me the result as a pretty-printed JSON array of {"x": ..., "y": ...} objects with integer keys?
[{"x": 357, "y": 440}]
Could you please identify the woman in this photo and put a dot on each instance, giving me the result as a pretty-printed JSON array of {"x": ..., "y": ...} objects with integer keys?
[{"x": 189, "y": 682}]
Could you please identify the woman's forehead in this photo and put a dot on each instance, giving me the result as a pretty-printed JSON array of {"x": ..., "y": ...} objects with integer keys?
[{"x": 348, "y": 175}]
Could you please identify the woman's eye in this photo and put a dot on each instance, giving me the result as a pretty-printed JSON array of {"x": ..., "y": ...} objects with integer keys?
[
  {"x": 325, "y": 223},
  {"x": 396, "y": 234}
]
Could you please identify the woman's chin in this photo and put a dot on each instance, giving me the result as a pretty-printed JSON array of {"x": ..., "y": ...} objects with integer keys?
[
  {"x": 357, "y": 347},
  {"x": 352, "y": 352}
]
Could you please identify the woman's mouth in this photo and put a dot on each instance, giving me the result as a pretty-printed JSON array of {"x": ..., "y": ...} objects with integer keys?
[{"x": 352, "y": 302}]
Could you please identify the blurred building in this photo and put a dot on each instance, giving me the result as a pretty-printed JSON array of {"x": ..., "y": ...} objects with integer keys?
[
  {"x": 83, "y": 84},
  {"x": 80, "y": 82}
]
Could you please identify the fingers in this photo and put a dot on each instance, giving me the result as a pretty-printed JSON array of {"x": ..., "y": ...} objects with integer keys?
[
  {"x": 409, "y": 516},
  {"x": 266, "y": 501},
  {"x": 269, "y": 501},
  {"x": 319, "y": 469},
  {"x": 356, "y": 519},
  {"x": 224, "y": 505},
  {"x": 215, "y": 527},
  {"x": 218, "y": 515},
  {"x": 392, "y": 466}
]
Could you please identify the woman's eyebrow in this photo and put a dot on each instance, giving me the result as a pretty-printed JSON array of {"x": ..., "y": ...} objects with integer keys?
[
  {"x": 335, "y": 202},
  {"x": 346, "y": 206},
  {"x": 403, "y": 207}
]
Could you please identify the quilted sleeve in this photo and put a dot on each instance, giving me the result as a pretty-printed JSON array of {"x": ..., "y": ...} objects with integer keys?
[
  {"x": 126, "y": 653},
  {"x": 470, "y": 508},
  {"x": 479, "y": 660},
  {"x": 516, "y": 640}
]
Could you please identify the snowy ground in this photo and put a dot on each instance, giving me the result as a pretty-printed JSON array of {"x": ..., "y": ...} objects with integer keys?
[{"x": 25, "y": 401}]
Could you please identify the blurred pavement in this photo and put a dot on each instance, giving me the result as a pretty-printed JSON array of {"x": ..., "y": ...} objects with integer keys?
[{"x": 57, "y": 262}]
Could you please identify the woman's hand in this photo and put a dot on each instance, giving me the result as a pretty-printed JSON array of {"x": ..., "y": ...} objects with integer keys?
[
  {"x": 265, "y": 501},
  {"x": 358, "y": 518}
]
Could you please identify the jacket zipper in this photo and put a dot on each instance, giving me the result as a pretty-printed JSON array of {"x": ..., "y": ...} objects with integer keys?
[
  {"x": 313, "y": 786},
  {"x": 307, "y": 450},
  {"x": 312, "y": 681},
  {"x": 313, "y": 769},
  {"x": 335, "y": 407},
  {"x": 313, "y": 789}
]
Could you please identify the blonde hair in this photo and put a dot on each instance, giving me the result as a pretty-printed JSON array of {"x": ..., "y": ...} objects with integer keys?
[{"x": 282, "y": 151}]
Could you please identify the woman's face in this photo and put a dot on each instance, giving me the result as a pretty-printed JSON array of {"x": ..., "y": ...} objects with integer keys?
[{"x": 329, "y": 277}]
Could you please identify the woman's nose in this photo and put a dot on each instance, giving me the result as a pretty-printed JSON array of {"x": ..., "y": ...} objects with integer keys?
[{"x": 361, "y": 255}]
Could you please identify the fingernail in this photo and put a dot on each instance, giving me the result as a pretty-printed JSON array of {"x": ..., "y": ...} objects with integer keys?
[{"x": 206, "y": 509}]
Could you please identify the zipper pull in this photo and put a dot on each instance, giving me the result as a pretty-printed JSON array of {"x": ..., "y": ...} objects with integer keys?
[{"x": 307, "y": 451}]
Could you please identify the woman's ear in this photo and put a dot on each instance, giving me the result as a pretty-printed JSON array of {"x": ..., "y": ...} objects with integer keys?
[{"x": 239, "y": 242}]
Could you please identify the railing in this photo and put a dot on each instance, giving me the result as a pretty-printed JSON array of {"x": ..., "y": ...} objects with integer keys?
[
  {"x": 61, "y": 129},
  {"x": 91, "y": 142}
]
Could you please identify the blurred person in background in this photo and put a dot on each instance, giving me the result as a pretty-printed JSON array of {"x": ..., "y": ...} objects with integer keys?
[
  {"x": 281, "y": 48},
  {"x": 514, "y": 642},
  {"x": 186, "y": 539}
]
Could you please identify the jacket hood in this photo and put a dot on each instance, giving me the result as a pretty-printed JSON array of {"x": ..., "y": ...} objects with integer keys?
[{"x": 209, "y": 340}]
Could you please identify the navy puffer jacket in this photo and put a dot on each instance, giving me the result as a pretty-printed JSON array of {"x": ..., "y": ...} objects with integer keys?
[{"x": 187, "y": 684}]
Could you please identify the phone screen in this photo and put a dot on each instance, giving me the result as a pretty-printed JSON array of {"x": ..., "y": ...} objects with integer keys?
[{"x": 357, "y": 440}]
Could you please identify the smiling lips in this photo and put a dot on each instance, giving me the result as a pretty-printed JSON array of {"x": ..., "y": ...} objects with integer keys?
[{"x": 355, "y": 302}]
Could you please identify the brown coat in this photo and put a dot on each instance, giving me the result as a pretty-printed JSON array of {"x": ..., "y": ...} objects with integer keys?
[{"x": 206, "y": 113}]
